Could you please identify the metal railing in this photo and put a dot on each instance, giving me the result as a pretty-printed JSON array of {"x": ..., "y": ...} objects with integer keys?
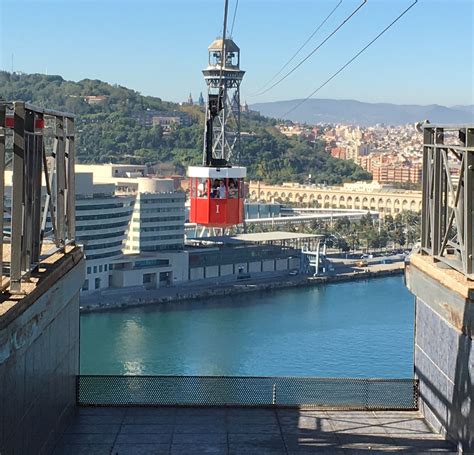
[
  {"x": 37, "y": 145},
  {"x": 448, "y": 196},
  {"x": 246, "y": 391}
]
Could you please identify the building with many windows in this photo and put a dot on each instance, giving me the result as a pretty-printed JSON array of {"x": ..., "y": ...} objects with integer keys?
[
  {"x": 131, "y": 226},
  {"x": 157, "y": 223},
  {"x": 102, "y": 221}
]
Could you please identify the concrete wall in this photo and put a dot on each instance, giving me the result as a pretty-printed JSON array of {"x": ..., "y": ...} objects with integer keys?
[
  {"x": 212, "y": 271},
  {"x": 444, "y": 358},
  {"x": 255, "y": 266},
  {"x": 227, "y": 269},
  {"x": 39, "y": 361},
  {"x": 295, "y": 263},
  {"x": 196, "y": 273},
  {"x": 268, "y": 266},
  {"x": 180, "y": 265}
]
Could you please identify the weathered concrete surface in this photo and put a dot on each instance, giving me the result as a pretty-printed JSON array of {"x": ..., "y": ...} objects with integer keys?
[
  {"x": 444, "y": 358},
  {"x": 39, "y": 357},
  {"x": 188, "y": 431}
]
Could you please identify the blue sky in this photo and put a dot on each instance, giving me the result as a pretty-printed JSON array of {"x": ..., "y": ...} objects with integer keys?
[{"x": 159, "y": 47}]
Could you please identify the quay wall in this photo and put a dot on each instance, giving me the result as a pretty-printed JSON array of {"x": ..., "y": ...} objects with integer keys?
[{"x": 107, "y": 300}]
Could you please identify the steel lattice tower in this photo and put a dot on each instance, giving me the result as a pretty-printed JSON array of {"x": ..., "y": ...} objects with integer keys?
[{"x": 223, "y": 80}]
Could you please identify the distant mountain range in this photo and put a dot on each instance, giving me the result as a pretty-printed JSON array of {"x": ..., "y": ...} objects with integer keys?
[{"x": 364, "y": 114}]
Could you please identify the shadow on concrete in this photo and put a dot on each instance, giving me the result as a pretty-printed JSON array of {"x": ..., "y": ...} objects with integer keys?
[
  {"x": 247, "y": 431},
  {"x": 458, "y": 418},
  {"x": 461, "y": 411}
]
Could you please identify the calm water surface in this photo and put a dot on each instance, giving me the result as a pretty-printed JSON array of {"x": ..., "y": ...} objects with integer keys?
[{"x": 355, "y": 329}]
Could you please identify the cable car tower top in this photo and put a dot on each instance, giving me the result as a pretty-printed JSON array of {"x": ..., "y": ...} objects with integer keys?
[{"x": 223, "y": 77}]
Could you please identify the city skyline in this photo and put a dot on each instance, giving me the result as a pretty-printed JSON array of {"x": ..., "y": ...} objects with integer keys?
[{"x": 140, "y": 46}]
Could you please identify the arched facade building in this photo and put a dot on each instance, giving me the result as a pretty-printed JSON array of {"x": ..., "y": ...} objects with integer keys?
[{"x": 385, "y": 201}]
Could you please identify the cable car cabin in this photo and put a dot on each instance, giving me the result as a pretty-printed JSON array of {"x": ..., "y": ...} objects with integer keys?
[{"x": 217, "y": 195}]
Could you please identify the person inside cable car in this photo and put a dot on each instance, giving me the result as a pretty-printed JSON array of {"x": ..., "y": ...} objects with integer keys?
[
  {"x": 202, "y": 189},
  {"x": 222, "y": 190},
  {"x": 233, "y": 190},
  {"x": 215, "y": 189}
]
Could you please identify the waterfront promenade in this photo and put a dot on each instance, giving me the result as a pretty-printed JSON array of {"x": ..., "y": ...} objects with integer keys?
[
  {"x": 245, "y": 431},
  {"x": 344, "y": 270}
]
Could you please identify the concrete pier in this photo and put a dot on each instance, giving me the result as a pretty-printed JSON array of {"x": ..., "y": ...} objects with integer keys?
[
  {"x": 39, "y": 355},
  {"x": 444, "y": 358}
]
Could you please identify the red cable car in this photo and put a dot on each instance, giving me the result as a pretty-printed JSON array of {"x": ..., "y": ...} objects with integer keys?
[{"x": 217, "y": 195}]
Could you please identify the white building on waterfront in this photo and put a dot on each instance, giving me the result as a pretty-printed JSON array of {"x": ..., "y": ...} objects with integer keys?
[
  {"x": 102, "y": 221},
  {"x": 131, "y": 226}
]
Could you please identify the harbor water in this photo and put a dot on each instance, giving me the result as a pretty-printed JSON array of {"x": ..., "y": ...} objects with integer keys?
[{"x": 351, "y": 329}]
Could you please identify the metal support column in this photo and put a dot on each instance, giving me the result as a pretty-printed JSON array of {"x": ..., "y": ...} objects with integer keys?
[
  {"x": 468, "y": 201},
  {"x": 17, "y": 196},
  {"x": 2, "y": 182},
  {"x": 436, "y": 208},
  {"x": 427, "y": 183},
  {"x": 37, "y": 196},
  {"x": 60, "y": 199},
  {"x": 71, "y": 183},
  {"x": 27, "y": 247}
]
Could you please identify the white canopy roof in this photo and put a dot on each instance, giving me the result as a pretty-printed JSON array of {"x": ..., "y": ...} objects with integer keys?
[{"x": 217, "y": 172}]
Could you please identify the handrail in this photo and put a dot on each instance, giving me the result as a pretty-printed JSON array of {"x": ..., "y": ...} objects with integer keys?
[{"x": 25, "y": 133}]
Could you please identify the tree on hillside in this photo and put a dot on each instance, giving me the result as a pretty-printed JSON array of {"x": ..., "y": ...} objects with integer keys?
[{"x": 110, "y": 132}]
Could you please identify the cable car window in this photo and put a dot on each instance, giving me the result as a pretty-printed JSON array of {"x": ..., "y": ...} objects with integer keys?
[
  {"x": 201, "y": 187},
  {"x": 193, "y": 188},
  {"x": 241, "y": 188},
  {"x": 233, "y": 188},
  {"x": 218, "y": 189}
]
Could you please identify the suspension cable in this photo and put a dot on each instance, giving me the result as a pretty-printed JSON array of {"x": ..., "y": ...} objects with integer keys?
[
  {"x": 300, "y": 48},
  {"x": 224, "y": 30},
  {"x": 233, "y": 19},
  {"x": 315, "y": 49},
  {"x": 351, "y": 60}
]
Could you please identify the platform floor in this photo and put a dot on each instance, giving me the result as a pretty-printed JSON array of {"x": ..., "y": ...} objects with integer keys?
[{"x": 188, "y": 431}]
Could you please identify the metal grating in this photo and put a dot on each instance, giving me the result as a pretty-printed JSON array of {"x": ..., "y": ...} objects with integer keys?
[{"x": 301, "y": 392}]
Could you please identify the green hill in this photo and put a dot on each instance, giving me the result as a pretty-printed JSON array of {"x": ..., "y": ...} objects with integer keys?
[{"x": 111, "y": 131}]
